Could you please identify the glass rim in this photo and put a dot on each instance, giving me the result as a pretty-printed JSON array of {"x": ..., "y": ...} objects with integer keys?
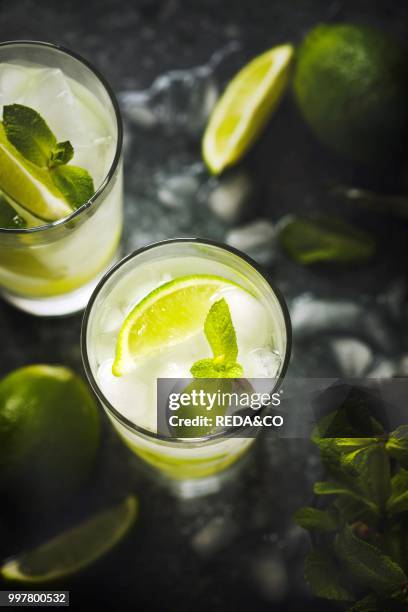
[
  {"x": 119, "y": 142},
  {"x": 133, "y": 427}
]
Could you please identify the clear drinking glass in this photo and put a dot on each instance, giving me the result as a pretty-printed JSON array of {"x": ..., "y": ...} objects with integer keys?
[
  {"x": 177, "y": 459},
  {"x": 53, "y": 268}
]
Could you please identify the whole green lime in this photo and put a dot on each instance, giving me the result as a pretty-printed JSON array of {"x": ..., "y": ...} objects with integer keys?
[
  {"x": 49, "y": 433},
  {"x": 351, "y": 85}
]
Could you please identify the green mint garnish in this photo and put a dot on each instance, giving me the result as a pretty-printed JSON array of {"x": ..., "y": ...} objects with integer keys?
[
  {"x": 29, "y": 133},
  {"x": 31, "y": 136},
  {"x": 62, "y": 153},
  {"x": 220, "y": 333},
  {"x": 310, "y": 241},
  {"x": 75, "y": 184}
]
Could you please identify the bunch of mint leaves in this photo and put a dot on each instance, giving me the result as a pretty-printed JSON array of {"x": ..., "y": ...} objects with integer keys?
[
  {"x": 359, "y": 524},
  {"x": 29, "y": 133}
]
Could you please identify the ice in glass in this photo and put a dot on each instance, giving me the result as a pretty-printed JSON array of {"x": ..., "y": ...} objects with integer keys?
[
  {"x": 146, "y": 320},
  {"x": 60, "y": 178}
]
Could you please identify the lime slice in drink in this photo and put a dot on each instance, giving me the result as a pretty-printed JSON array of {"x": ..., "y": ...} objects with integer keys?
[
  {"x": 74, "y": 549},
  {"x": 29, "y": 185},
  {"x": 167, "y": 316},
  {"x": 245, "y": 107}
]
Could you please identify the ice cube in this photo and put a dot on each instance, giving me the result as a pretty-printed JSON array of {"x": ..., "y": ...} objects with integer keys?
[
  {"x": 395, "y": 298},
  {"x": 96, "y": 158},
  {"x": 403, "y": 366},
  {"x": 214, "y": 536},
  {"x": 248, "y": 316},
  {"x": 129, "y": 395},
  {"x": 262, "y": 363},
  {"x": 311, "y": 315},
  {"x": 352, "y": 355},
  {"x": 177, "y": 100},
  {"x": 230, "y": 196},
  {"x": 111, "y": 318},
  {"x": 105, "y": 345},
  {"x": 270, "y": 577},
  {"x": 173, "y": 369},
  {"x": 256, "y": 238},
  {"x": 50, "y": 94},
  {"x": 13, "y": 81},
  {"x": 384, "y": 368},
  {"x": 177, "y": 191}
]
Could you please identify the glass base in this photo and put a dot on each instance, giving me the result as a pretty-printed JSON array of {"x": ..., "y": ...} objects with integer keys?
[
  {"x": 59, "y": 305},
  {"x": 192, "y": 488}
]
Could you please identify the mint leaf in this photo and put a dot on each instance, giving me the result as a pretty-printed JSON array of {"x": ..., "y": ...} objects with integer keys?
[
  {"x": 75, "y": 184},
  {"x": 351, "y": 509},
  {"x": 29, "y": 133},
  {"x": 333, "y": 488},
  {"x": 371, "y": 603},
  {"x": 208, "y": 368},
  {"x": 352, "y": 419},
  {"x": 234, "y": 370},
  {"x": 397, "y": 445},
  {"x": 325, "y": 578},
  {"x": 309, "y": 241},
  {"x": 369, "y": 567},
  {"x": 313, "y": 519},
  {"x": 373, "y": 474},
  {"x": 220, "y": 332},
  {"x": 61, "y": 154},
  {"x": 398, "y": 501},
  {"x": 336, "y": 454},
  {"x": 204, "y": 368}
]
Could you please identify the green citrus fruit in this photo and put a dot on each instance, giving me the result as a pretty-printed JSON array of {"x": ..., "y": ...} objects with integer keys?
[
  {"x": 351, "y": 85},
  {"x": 245, "y": 107},
  {"x": 167, "y": 316},
  {"x": 49, "y": 433},
  {"x": 74, "y": 549}
]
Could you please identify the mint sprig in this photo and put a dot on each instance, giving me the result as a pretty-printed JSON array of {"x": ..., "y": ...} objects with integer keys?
[
  {"x": 359, "y": 522},
  {"x": 220, "y": 333},
  {"x": 29, "y": 133}
]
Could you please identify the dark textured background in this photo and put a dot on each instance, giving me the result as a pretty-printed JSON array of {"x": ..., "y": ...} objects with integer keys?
[{"x": 238, "y": 549}]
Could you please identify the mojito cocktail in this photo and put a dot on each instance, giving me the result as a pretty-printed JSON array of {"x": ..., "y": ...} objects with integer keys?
[
  {"x": 145, "y": 321},
  {"x": 60, "y": 178}
]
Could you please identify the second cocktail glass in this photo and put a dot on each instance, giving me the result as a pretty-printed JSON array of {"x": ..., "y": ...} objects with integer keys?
[{"x": 170, "y": 286}]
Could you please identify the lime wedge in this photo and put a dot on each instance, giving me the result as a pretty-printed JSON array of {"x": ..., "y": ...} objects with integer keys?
[
  {"x": 74, "y": 549},
  {"x": 167, "y": 316},
  {"x": 245, "y": 107},
  {"x": 29, "y": 185}
]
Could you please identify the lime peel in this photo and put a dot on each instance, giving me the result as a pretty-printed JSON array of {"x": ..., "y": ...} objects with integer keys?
[
  {"x": 246, "y": 106},
  {"x": 107, "y": 529}
]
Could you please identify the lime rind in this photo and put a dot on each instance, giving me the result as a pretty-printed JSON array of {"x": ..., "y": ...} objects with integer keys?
[
  {"x": 245, "y": 107},
  {"x": 125, "y": 358},
  {"x": 108, "y": 527}
]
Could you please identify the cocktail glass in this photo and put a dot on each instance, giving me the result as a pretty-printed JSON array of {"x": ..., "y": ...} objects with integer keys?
[
  {"x": 263, "y": 332},
  {"x": 52, "y": 268}
]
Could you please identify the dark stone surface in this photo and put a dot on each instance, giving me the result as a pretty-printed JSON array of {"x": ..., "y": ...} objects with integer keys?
[{"x": 238, "y": 549}]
